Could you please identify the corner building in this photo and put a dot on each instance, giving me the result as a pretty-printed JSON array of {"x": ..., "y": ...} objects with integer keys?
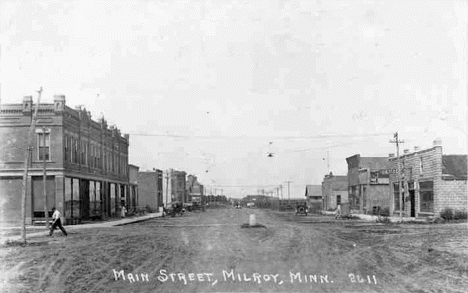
[
  {"x": 86, "y": 163},
  {"x": 430, "y": 182}
]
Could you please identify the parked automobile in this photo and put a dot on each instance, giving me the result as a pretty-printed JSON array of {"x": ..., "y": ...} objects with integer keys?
[
  {"x": 301, "y": 209},
  {"x": 175, "y": 208}
]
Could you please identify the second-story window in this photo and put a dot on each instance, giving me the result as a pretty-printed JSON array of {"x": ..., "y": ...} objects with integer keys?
[
  {"x": 75, "y": 151},
  {"x": 91, "y": 155},
  {"x": 43, "y": 146},
  {"x": 83, "y": 150},
  {"x": 66, "y": 149},
  {"x": 99, "y": 164},
  {"x": 420, "y": 166}
]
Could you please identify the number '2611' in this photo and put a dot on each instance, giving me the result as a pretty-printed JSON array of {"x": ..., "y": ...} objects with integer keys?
[{"x": 369, "y": 279}]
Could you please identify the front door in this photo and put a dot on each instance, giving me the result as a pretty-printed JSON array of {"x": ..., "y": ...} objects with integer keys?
[
  {"x": 84, "y": 198},
  {"x": 412, "y": 202}
]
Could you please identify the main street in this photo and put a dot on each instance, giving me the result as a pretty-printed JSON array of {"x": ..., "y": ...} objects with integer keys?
[{"x": 211, "y": 252}]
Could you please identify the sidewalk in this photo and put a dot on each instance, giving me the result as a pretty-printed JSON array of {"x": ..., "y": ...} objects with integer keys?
[
  {"x": 43, "y": 232},
  {"x": 372, "y": 218}
]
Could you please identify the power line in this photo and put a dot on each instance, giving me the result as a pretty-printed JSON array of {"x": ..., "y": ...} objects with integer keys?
[
  {"x": 244, "y": 137},
  {"x": 236, "y": 186}
]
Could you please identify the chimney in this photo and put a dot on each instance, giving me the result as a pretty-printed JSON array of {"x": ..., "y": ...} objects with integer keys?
[
  {"x": 59, "y": 103},
  {"x": 437, "y": 142},
  {"x": 417, "y": 148},
  {"x": 27, "y": 104},
  {"x": 406, "y": 151}
]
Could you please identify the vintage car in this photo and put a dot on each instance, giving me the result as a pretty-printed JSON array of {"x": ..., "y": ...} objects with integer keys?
[
  {"x": 175, "y": 208},
  {"x": 301, "y": 209}
]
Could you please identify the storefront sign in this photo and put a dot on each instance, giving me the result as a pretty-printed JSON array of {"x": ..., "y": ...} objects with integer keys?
[{"x": 379, "y": 176}]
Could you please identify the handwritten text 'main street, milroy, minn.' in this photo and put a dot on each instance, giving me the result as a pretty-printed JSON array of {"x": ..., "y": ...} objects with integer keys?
[{"x": 233, "y": 276}]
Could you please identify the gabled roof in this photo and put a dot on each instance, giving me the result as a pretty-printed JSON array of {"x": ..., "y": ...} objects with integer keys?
[
  {"x": 313, "y": 190},
  {"x": 455, "y": 165}
]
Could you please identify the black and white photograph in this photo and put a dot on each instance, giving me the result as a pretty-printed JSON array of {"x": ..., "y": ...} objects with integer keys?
[{"x": 233, "y": 146}]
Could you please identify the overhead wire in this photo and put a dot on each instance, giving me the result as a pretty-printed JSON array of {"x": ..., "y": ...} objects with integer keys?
[{"x": 243, "y": 137}]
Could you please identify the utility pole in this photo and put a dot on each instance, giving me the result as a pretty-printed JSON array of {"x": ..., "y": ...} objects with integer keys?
[
  {"x": 167, "y": 185},
  {"x": 397, "y": 141},
  {"x": 26, "y": 165},
  {"x": 278, "y": 196},
  {"x": 44, "y": 176},
  {"x": 289, "y": 195},
  {"x": 281, "y": 187}
]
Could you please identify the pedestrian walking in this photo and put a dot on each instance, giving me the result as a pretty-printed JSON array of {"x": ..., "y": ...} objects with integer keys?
[
  {"x": 123, "y": 210},
  {"x": 338, "y": 212},
  {"x": 56, "y": 222}
]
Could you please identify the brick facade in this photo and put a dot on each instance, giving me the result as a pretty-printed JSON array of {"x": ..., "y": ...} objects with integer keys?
[
  {"x": 194, "y": 189},
  {"x": 86, "y": 162},
  {"x": 178, "y": 186},
  {"x": 427, "y": 188},
  {"x": 150, "y": 189}
]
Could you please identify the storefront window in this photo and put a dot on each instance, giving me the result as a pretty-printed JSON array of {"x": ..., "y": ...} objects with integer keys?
[
  {"x": 92, "y": 198},
  {"x": 76, "y": 199},
  {"x": 426, "y": 192},
  {"x": 396, "y": 196},
  {"x": 98, "y": 198},
  {"x": 68, "y": 198},
  {"x": 112, "y": 198}
]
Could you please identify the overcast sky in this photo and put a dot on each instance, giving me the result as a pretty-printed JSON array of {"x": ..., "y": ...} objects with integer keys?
[{"x": 230, "y": 77}]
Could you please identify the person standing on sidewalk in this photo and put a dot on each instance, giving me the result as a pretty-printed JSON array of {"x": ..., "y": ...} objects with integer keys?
[
  {"x": 123, "y": 210},
  {"x": 56, "y": 222},
  {"x": 338, "y": 212}
]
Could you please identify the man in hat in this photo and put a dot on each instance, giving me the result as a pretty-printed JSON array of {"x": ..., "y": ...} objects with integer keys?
[{"x": 56, "y": 222}]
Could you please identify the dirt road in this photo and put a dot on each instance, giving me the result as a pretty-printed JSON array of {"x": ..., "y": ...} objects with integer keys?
[{"x": 210, "y": 252}]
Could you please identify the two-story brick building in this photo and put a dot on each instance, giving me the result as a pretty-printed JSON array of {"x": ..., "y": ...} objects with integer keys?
[
  {"x": 430, "y": 181},
  {"x": 150, "y": 189},
  {"x": 334, "y": 191},
  {"x": 194, "y": 189},
  {"x": 86, "y": 163},
  {"x": 178, "y": 185},
  {"x": 368, "y": 183}
]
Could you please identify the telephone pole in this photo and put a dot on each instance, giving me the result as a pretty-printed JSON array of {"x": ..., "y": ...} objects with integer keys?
[
  {"x": 167, "y": 185},
  {"x": 397, "y": 142},
  {"x": 26, "y": 165},
  {"x": 44, "y": 176},
  {"x": 289, "y": 195},
  {"x": 281, "y": 187}
]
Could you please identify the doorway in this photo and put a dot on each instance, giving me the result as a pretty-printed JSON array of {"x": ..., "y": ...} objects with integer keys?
[
  {"x": 84, "y": 198},
  {"x": 412, "y": 203}
]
